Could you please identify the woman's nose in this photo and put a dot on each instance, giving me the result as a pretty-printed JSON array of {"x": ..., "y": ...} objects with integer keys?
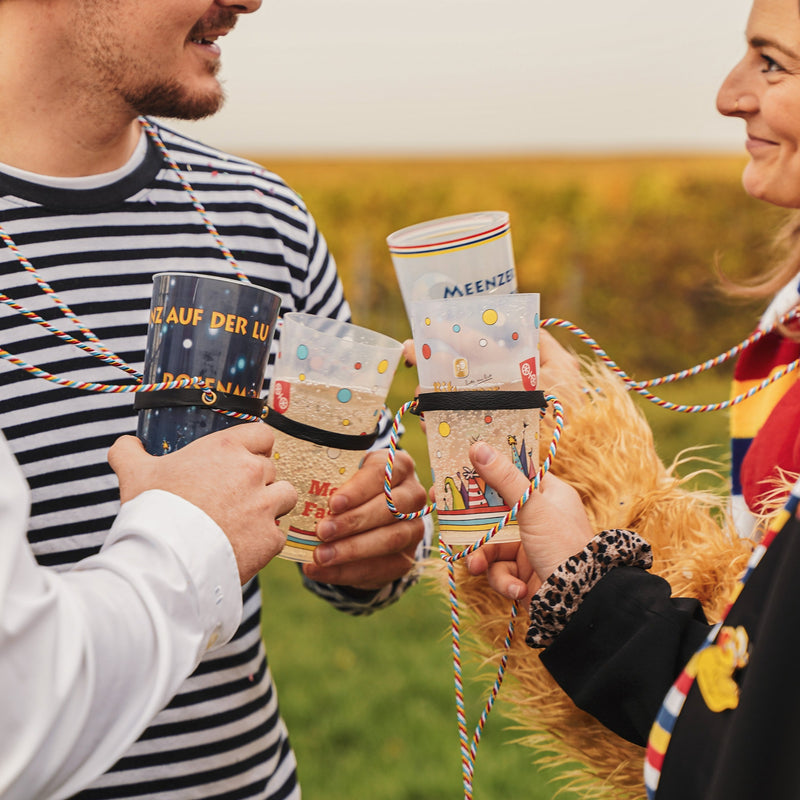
[{"x": 735, "y": 98}]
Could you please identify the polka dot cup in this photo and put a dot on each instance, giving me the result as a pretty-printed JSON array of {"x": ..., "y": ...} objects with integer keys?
[
  {"x": 332, "y": 377},
  {"x": 486, "y": 344}
]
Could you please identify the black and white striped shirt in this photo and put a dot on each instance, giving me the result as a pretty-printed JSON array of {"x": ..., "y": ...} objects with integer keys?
[{"x": 98, "y": 247}]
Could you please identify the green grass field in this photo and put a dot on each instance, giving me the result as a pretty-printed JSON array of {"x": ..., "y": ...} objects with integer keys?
[{"x": 625, "y": 248}]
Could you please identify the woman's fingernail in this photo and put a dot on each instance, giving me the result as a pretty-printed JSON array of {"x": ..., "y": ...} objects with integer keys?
[{"x": 482, "y": 454}]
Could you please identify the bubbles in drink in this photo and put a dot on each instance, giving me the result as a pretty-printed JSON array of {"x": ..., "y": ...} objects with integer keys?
[{"x": 316, "y": 471}]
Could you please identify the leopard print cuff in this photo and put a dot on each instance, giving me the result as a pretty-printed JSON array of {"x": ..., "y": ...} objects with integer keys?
[{"x": 560, "y": 595}]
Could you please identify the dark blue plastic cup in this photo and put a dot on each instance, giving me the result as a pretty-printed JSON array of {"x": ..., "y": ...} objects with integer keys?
[{"x": 219, "y": 329}]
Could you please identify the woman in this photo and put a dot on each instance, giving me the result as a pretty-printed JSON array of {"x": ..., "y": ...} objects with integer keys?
[{"x": 609, "y": 631}]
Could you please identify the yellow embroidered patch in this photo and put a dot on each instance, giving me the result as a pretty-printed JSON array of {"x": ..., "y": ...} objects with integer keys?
[{"x": 716, "y": 665}]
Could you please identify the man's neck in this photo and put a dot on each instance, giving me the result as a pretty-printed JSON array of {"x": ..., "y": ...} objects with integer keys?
[{"x": 65, "y": 150}]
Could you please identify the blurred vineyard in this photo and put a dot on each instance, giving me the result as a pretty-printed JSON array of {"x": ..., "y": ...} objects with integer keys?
[
  {"x": 623, "y": 247},
  {"x": 626, "y": 248}
]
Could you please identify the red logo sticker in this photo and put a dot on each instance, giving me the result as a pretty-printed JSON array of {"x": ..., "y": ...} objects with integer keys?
[
  {"x": 281, "y": 396},
  {"x": 528, "y": 371}
]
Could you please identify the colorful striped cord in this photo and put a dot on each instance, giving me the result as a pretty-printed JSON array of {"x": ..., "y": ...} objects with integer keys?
[
  {"x": 641, "y": 387},
  {"x": 109, "y": 388},
  {"x": 104, "y": 355},
  {"x": 48, "y": 290},
  {"x": 96, "y": 349},
  {"x": 199, "y": 207},
  {"x": 183, "y": 383},
  {"x": 387, "y": 474},
  {"x": 469, "y": 746},
  {"x": 469, "y": 755}
]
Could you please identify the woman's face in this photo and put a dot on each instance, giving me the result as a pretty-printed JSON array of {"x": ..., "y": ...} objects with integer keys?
[{"x": 764, "y": 90}]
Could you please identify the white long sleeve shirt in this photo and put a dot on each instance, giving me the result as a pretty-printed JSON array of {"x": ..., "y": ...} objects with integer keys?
[{"x": 89, "y": 656}]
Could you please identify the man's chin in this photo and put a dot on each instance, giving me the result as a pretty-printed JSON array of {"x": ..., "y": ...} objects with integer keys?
[{"x": 174, "y": 103}]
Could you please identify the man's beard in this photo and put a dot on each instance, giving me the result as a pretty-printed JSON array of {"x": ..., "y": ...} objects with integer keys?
[
  {"x": 171, "y": 100},
  {"x": 163, "y": 98}
]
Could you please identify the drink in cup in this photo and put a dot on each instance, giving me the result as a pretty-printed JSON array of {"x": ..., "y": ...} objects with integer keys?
[
  {"x": 326, "y": 399},
  {"x": 484, "y": 346}
]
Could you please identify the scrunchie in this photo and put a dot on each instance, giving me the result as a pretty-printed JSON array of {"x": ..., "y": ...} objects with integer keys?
[{"x": 560, "y": 595}]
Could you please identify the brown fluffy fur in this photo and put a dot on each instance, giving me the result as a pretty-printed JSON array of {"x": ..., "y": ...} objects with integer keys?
[{"x": 607, "y": 453}]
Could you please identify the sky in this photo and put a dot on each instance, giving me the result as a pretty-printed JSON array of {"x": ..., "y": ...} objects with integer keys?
[{"x": 379, "y": 77}]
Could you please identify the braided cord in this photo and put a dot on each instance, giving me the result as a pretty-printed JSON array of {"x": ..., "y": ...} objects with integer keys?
[
  {"x": 96, "y": 348},
  {"x": 102, "y": 354},
  {"x": 469, "y": 746},
  {"x": 199, "y": 207},
  {"x": 642, "y": 387},
  {"x": 64, "y": 308},
  {"x": 469, "y": 754},
  {"x": 183, "y": 383},
  {"x": 387, "y": 474}
]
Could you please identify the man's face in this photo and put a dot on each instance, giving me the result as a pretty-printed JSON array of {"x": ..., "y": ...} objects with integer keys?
[{"x": 160, "y": 57}]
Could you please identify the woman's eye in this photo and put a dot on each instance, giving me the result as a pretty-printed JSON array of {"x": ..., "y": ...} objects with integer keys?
[{"x": 770, "y": 65}]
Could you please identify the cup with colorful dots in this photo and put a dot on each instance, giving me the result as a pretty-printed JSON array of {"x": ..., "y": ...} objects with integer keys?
[
  {"x": 457, "y": 256},
  {"x": 326, "y": 400},
  {"x": 477, "y": 360}
]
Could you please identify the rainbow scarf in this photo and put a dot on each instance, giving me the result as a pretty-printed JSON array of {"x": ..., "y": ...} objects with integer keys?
[
  {"x": 760, "y": 361},
  {"x": 661, "y": 732}
]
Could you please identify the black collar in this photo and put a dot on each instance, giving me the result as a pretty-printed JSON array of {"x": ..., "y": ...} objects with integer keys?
[{"x": 87, "y": 200}]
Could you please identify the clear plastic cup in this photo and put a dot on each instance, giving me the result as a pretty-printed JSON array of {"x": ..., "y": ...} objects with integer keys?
[
  {"x": 482, "y": 345},
  {"x": 331, "y": 377},
  {"x": 452, "y": 257}
]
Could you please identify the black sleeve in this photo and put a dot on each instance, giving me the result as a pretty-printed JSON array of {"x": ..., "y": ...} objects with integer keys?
[{"x": 623, "y": 648}]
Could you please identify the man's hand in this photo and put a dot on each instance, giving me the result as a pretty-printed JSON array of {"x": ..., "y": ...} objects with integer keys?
[
  {"x": 363, "y": 545},
  {"x": 229, "y": 475}
]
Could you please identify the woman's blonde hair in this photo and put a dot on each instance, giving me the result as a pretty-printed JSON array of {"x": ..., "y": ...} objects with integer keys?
[{"x": 786, "y": 246}]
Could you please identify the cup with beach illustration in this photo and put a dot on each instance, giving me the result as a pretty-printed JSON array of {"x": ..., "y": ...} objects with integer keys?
[
  {"x": 327, "y": 395},
  {"x": 478, "y": 365},
  {"x": 452, "y": 257},
  {"x": 218, "y": 329}
]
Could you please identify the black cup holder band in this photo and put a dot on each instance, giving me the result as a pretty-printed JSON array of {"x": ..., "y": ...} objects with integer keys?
[
  {"x": 202, "y": 398},
  {"x": 308, "y": 433},
  {"x": 478, "y": 401}
]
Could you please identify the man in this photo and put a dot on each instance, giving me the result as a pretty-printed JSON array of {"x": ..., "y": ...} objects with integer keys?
[
  {"x": 90, "y": 208},
  {"x": 139, "y": 615}
]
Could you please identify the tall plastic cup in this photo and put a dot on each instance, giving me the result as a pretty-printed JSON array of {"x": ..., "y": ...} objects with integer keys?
[
  {"x": 328, "y": 391},
  {"x": 452, "y": 257},
  {"x": 477, "y": 360},
  {"x": 200, "y": 326}
]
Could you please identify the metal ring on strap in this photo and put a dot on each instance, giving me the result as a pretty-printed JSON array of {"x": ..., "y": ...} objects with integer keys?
[
  {"x": 308, "y": 433},
  {"x": 204, "y": 398},
  {"x": 477, "y": 401}
]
